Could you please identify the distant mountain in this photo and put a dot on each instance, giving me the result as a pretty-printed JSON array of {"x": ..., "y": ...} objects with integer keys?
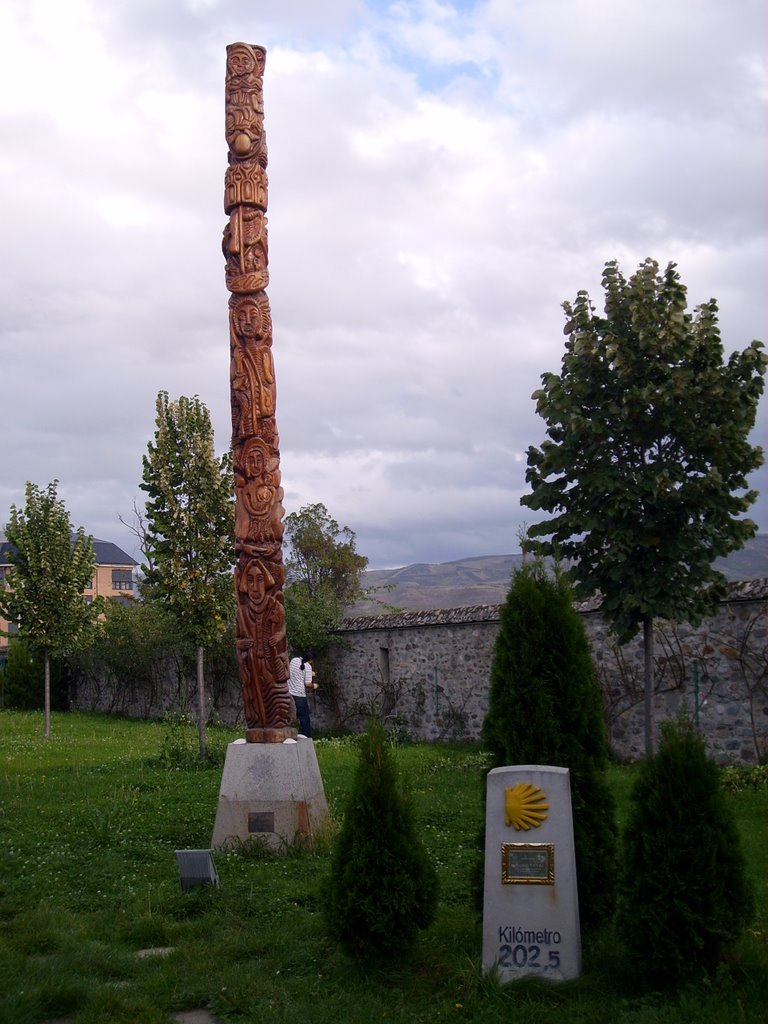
[
  {"x": 485, "y": 580},
  {"x": 751, "y": 563}
]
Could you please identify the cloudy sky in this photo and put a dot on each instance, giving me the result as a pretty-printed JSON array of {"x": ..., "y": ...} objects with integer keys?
[{"x": 443, "y": 174}]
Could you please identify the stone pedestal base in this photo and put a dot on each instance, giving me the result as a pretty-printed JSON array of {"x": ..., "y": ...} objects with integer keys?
[{"x": 271, "y": 792}]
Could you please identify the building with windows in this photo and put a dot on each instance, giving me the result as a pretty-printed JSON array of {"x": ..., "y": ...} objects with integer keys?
[{"x": 113, "y": 578}]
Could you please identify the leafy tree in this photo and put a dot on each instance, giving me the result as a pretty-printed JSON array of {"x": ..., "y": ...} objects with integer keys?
[
  {"x": 383, "y": 886},
  {"x": 311, "y": 619},
  {"x": 647, "y": 459},
  {"x": 545, "y": 707},
  {"x": 138, "y": 527},
  {"x": 685, "y": 896},
  {"x": 323, "y": 576},
  {"x": 135, "y": 646},
  {"x": 189, "y": 528},
  {"x": 50, "y": 568}
]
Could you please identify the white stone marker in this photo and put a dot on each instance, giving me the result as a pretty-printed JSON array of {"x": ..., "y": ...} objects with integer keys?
[
  {"x": 531, "y": 907},
  {"x": 269, "y": 791}
]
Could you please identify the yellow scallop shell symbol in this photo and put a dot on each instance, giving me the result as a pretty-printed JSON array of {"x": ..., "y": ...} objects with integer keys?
[{"x": 525, "y": 806}]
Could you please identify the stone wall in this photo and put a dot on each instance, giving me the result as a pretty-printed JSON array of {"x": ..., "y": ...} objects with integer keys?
[{"x": 427, "y": 674}]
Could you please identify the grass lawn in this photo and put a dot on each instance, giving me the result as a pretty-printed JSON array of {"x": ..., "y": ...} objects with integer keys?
[{"x": 89, "y": 821}]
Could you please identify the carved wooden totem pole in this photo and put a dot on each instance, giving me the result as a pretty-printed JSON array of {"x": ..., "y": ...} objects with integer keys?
[{"x": 262, "y": 649}]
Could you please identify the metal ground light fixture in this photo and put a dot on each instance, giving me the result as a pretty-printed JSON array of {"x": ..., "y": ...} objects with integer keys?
[{"x": 196, "y": 868}]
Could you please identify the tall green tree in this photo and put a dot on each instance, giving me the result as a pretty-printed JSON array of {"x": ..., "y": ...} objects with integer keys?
[
  {"x": 189, "y": 528},
  {"x": 545, "y": 707},
  {"x": 323, "y": 576},
  {"x": 646, "y": 463},
  {"x": 51, "y": 566}
]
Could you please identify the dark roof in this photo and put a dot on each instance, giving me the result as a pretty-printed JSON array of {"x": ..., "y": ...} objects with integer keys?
[
  {"x": 434, "y": 617},
  {"x": 108, "y": 553},
  {"x": 105, "y": 553}
]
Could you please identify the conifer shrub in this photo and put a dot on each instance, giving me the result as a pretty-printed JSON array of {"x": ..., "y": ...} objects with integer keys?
[
  {"x": 545, "y": 708},
  {"x": 684, "y": 896},
  {"x": 383, "y": 887}
]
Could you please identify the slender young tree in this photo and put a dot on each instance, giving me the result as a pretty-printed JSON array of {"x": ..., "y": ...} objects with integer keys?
[
  {"x": 189, "y": 528},
  {"x": 51, "y": 566},
  {"x": 323, "y": 576},
  {"x": 645, "y": 467}
]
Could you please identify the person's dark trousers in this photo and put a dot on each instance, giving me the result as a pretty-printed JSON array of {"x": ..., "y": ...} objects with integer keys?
[{"x": 302, "y": 713}]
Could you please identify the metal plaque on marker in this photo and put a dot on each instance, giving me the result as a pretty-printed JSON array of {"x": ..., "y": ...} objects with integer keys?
[
  {"x": 528, "y": 863},
  {"x": 261, "y": 821}
]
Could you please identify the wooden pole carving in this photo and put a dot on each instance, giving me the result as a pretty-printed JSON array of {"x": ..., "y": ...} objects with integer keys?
[{"x": 262, "y": 650}]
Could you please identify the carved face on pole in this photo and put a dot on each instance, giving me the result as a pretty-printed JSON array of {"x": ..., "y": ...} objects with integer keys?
[
  {"x": 259, "y": 509},
  {"x": 254, "y": 582},
  {"x": 243, "y": 63},
  {"x": 251, "y": 320},
  {"x": 255, "y": 461},
  {"x": 244, "y": 115}
]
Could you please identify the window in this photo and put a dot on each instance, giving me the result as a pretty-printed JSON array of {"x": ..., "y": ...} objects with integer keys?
[
  {"x": 384, "y": 665},
  {"x": 122, "y": 579}
]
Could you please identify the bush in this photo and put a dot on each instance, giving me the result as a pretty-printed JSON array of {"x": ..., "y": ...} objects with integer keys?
[
  {"x": 134, "y": 647},
  {"x": 23, "y": 676},
  {"x": 684, "y": 895},
  {"x": 383, "y": 887},
  {"x": 180, "y": 746},
  {"x": 544, "y": 707},
  {"x": 738, "y": 777}
]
